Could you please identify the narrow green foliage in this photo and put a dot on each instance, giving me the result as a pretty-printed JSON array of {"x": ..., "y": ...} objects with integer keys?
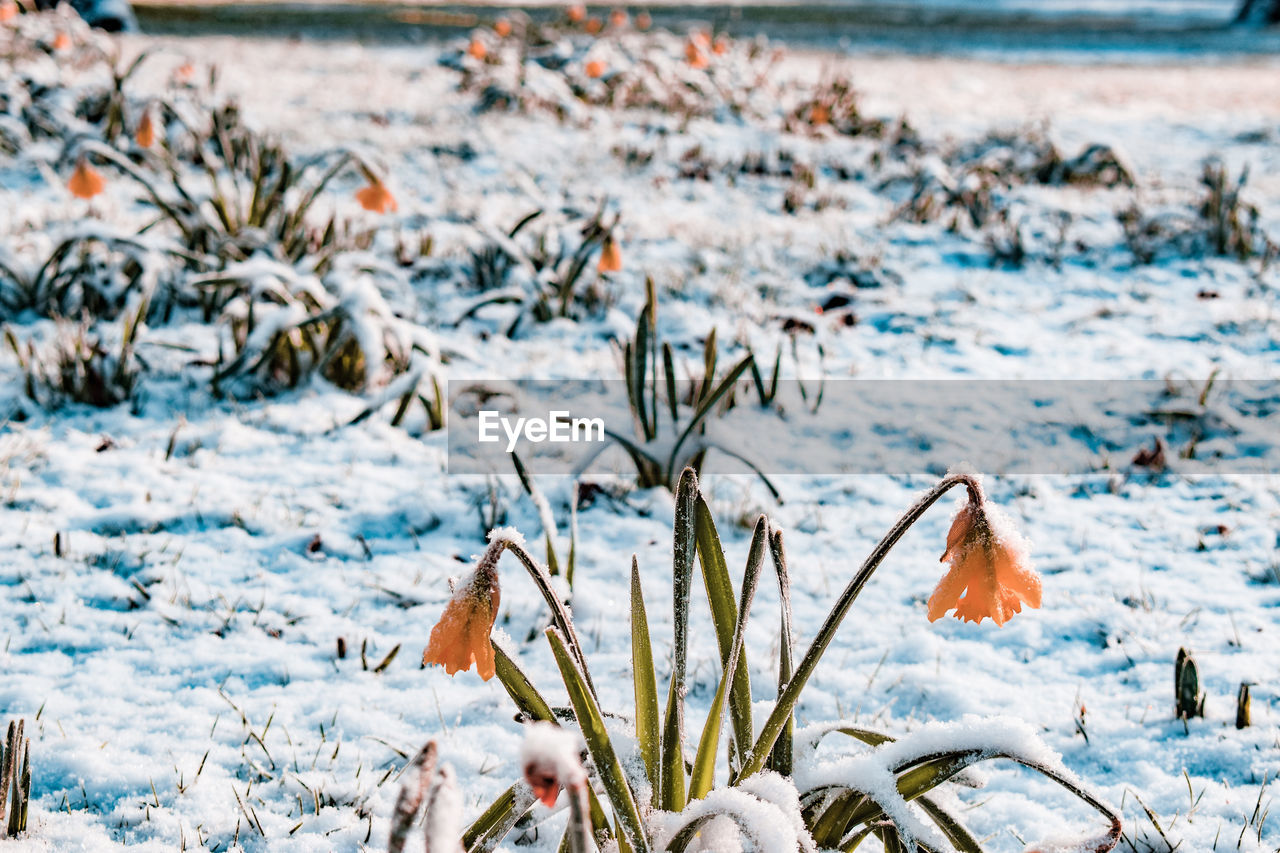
[
  {"x": 671, "y": 778},
  {"x": 645, "y": 682},
  {"x": 599, "y": 746},
  {"x": 704, "y": 763},
  {"x": 725, "y": 618}
]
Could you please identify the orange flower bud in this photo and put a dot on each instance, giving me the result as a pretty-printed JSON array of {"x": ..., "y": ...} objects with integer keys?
[
  {"x": 8, "y": 11},
  {"x": 502, "y": 27},
  {"x": 593, "y": 25},
  {"x": 989, "y": 564},
  {"x": 610, "y": 256},
  {"x": 86, "y": 181},
  {"x": 62, "y": 42},
  {"x": 618, "y": 18},
  {"x": 461, "y": 637},
  {"x": 376, "y": 197},
  {"x": 721, "y": 46},
  {"x": 695, "y": 56},
  {"x": 477, "y": 50},
  {"x": 577, "y": 13},
  {"x": 145, "y": 135},
  {"x": 595, "y": 68},
  {"x": 819, "y": 114}
]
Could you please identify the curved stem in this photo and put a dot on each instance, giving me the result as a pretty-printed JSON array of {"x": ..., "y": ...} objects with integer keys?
[
  {"x": 790, "y": 695},
  {"x": 559, "y": 613}
]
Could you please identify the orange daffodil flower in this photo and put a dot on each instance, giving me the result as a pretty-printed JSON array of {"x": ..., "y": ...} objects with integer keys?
[
  {"x": 86, "y": 182},
  {"x": 610, "y": 256},
  {"x": 989, "y": 565},
  {"x": 376, "y": 198},
  {"x": 8, "y": 11},
  {"x": 145, "y": 135},
  {"x": 461, "y": 638}
]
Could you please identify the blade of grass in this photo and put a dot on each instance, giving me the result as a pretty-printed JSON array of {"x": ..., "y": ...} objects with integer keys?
[
  {"x": 591, "y": 724},
  {"x": 645, "y": 681},
  {"x": 671, "y": 790},
  {"x": 703, "y": 777},
  {"x": 724, "y": 617}
]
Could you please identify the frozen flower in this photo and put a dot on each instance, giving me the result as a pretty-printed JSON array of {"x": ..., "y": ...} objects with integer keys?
[
  {"x": 477, "y": 50},
  {"x": 610, "y": 256},
  {"x": 549, "y": 756},
  {"x": 86, "y": 181},
  {"x": 593, "y": 25},
  {"x": 720, "y": 46},
  {"x": 618, "y": 18},
  {"x": 62, "y": 42},
  {"x": 502, "y": 27},
  {"x": 577, "y": 13},
  {"x": 819, "y": 114},
  {"x": 989, "y": 564},
  {"x": 376, "y": 197},
  {"x": 461, "y": 637},
  {"x": 8, "y": 11},
  {"x": 145, "y": 135},
  {"x": 595, "y": 68},
  {"x": 695, "y": 55}
]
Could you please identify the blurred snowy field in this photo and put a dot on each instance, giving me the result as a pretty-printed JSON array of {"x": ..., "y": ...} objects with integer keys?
[{"x": 175, "y": 661}]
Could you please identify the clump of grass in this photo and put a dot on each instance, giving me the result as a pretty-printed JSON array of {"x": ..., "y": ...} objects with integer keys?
[
  {"x": 833, "y": 107},
  {"x": 643, "y": 793},
  {"x": 1222, "y": 224},
  {"x": 547, "y": 271},
  {"x": 252, "y": 195},
  {"x": 285, "y": 325},
  {"x": 652, "y": 393},
  {"x": 78, "y": 367},
  {"x": 93, "y": 271},
  {"x": 15, "y": 781},
  {"x": 559, "y": 67}
]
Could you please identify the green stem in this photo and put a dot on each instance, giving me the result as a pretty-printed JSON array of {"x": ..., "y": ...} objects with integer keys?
[{"x": 790, "y": 696}]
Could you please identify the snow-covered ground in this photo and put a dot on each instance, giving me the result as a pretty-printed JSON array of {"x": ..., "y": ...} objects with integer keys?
[{"x": 176, "y": 662}]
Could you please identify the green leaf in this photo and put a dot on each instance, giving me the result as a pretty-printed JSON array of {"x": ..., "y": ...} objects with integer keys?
[
  {"x": 519, "y": 687},
  {"x": 704, "y": 763},
  {"x": 951, "y": 828},
  {"x": 704, "y": 408},
  {"x": 669, "y": 371},
  {"x": 492, "y": 826},
  {"x": 671, "y": 790},
  {"x": 600, "y": 747},
  {"x": 780, "y": 760},
  {"x": 645, "y": 681},
  {"x": 724, "y": 617}
]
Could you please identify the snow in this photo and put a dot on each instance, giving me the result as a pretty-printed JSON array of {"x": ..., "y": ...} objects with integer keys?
[
  {"x": 553, "y": 750},
  {"x": 176, "y": 663}
]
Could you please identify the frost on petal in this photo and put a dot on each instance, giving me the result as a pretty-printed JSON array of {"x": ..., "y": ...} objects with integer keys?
[{"x": 461, "y": 637}]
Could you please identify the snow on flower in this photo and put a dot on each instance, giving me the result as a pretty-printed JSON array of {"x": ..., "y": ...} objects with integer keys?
[
  {"x": 989, "y": 566},
  {"x": 461, "y": 638},
  {"x": 549, "y": 759}
]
